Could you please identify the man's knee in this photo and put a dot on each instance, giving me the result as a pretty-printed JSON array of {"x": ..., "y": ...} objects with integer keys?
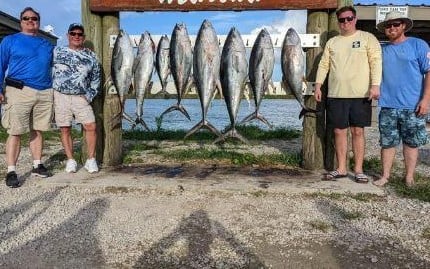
[{"x": 89, "y": 127}]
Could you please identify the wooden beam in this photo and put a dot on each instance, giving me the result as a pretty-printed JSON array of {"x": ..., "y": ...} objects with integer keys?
[
  {"x": 207, "y": 5},
  {"x": 112, "y": 108},
  {"x": 94, "y": 40},
  {"x": 314, "y": 125}
]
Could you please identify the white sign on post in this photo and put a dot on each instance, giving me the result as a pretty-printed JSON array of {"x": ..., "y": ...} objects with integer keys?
[{"x": 381, "y": 11}]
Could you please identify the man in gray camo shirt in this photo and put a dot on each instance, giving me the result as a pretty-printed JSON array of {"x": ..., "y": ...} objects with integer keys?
[{"x": 76, "y": 81}]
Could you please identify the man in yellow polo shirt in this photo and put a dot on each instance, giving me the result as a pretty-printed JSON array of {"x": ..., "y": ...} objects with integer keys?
[{"x": 353, "y": 60}]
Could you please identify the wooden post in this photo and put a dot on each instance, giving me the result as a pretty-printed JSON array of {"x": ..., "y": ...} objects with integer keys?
[
  {"x": 314, "y": 125},
  {"x": 111, "y": 107},
  {"x": 93, "y": 34}
]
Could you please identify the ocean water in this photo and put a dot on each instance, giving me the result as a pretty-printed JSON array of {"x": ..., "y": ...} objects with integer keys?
[{"x": 279, "y": 112}]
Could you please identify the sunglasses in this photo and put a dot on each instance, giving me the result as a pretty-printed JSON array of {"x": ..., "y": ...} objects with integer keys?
[
  {"x": 30, "y": 18},
  {"x": 349, "y": 18},
  {"x": 395, "y": 24},
  {"x": 76, "y": 34}
]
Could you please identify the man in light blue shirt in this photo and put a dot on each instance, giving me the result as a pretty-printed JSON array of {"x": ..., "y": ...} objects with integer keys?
[{"x": 405, "y": 95}]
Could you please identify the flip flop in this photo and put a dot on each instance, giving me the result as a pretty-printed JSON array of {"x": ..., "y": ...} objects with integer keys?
[
  {"x": 333, "y": 175},
  {"x": 361, "y": 178}
]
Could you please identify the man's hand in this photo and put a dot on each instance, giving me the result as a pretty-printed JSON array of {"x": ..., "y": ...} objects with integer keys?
[
  {"x": 374, "y": 92},
  {"x": 317, "y": 93},
  {"x": 422, "y": 108},
  {"x": 1, "y": 98}
]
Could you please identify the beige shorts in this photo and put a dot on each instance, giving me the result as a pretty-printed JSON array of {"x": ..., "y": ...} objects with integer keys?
[
  {"x": 27, "y": 109},
  {"x": 68, "y": 106}
]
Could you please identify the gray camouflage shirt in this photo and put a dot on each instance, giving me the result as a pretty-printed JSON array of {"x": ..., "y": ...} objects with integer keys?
[{"x": 76, "y": 72}]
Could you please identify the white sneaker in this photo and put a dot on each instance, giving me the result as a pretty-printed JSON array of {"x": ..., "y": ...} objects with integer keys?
[
  {"x": 71, "y": 166},
  {"x": 91, "y": 166}
]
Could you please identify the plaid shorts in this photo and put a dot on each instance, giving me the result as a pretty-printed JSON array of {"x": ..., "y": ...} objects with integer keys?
[{"x": 401, "y": 124}]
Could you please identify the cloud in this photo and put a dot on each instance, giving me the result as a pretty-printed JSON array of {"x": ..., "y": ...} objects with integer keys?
[{"x": 293, "y": 18}]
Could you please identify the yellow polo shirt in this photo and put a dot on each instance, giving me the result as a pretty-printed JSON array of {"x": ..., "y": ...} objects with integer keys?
[{"x": 354, "y": 63}]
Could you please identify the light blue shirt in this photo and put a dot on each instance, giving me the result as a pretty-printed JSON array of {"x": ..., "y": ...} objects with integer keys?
[
  {"x": 27, "y": 58},
  {"x": 403, "y": 69}
]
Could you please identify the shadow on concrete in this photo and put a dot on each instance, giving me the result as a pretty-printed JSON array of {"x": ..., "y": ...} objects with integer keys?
[
  {"x": 198, "y": 233},
  {"x": 44, "y": 201},
  {"x": 72, "y": 244},
  {"x": 359, "y": 249},
  {"x": 202, "y": 172}
]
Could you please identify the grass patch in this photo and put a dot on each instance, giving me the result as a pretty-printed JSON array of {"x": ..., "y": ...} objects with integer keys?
[
  {"x": 420, "y": 191},
  {"x": 233, "y": 157},
  {"x": 367, "y": 197},
  {"x": 259, "y": 193},
  {"x": 249, "y": 132},
  {"x": 52, "y": 135},
  {"x": 116, "y": 189},
  {"x": 329, "y": 195},
  {"x": 320, "y": 225},
  {"x": 350, "y": 215},
  {"x": 426, "y": 233}
]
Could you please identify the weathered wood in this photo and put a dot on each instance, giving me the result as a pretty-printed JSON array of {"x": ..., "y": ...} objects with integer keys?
[
  {"x": 112, "y": 107},
  {"x": 93, "y": 33},
  {"x": 191, "y": 5},
  {"x": 314, "y": 125}
]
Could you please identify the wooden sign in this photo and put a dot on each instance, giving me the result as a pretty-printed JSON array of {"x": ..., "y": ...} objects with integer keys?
[{"x": 207, "y": 5}]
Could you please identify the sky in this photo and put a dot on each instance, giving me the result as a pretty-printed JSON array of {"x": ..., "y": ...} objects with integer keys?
[{"x": 57, "y": 15}]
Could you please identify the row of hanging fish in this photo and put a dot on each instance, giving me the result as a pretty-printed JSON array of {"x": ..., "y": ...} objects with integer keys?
[{"x": 208, "y": 70}]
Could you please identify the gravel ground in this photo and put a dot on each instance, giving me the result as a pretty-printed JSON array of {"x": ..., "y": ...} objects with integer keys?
[{"x": 88, "y": 225}]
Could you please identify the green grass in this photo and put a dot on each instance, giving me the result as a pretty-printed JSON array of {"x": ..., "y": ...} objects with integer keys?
[
  {"x": 330, "y": 195},
  {"x": 320, "y": 225},
  {"x": 232, "y": 157},
  {"x": 350, "y": 215},
  {"x": 53, "y": 135},
  {"x": 426, "y": 233},
  {"x": 249, "y": 132},
  {"x": 420, "y": 191}
]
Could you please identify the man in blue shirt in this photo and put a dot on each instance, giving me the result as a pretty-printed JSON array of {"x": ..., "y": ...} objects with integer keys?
[
  {"x": 405, "y": 95},
  {"x": 28, "y": 95}
]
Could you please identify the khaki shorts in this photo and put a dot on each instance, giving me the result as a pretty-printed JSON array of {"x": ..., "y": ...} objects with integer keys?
[
  {"x": 27, "y": 109},
  {"x": 68, "y": 106}
]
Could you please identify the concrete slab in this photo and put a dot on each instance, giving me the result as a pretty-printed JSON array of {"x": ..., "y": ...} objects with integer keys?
[{"x": 164, "y": 180}]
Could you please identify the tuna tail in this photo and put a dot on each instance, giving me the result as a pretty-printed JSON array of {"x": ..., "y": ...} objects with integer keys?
[
  {"x": 256, "y": 115},
  {"x": 201, "y": 124},
  {"x": 163, "y": 92},
  {"x": 117, "y": 119},
  {"x": 140, "y": 121},
  {"x": 178, "y": 107},
  {"x": 306, "y": 110},
  {"x": 231, "y": 133}
]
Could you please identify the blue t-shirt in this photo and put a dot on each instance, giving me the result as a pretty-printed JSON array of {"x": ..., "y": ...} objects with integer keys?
[
  {"x": 27, "y": 58},
  {"x": 403, "y": 69}
]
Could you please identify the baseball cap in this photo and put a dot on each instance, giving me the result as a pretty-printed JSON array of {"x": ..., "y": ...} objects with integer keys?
[{"x": 74, "y": 26}]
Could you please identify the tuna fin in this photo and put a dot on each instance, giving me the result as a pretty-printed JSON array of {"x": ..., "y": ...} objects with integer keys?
[
  {"x": 256, "y": 115},
  {"x": 178, "y": 107},
  {"x": 201, "y": 124},
  {"x": 233, "y": 134},
  {"x": 140, "y": 121}
]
